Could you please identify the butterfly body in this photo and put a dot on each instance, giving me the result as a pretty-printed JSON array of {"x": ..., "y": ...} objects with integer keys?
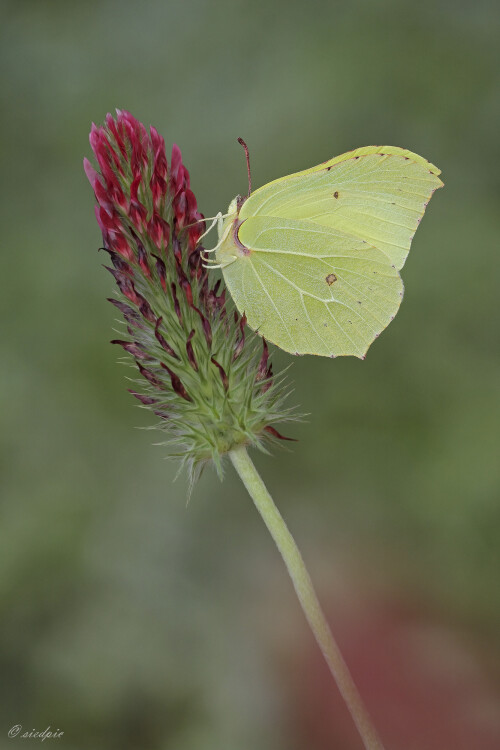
[{"x": 313, "y": 259}]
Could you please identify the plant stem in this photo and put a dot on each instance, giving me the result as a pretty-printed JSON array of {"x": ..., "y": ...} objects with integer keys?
[{"x": 306, "y": 594}]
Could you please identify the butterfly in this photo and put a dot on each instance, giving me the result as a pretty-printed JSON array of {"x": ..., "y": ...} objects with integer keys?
[{"x": 313, "y": 259}]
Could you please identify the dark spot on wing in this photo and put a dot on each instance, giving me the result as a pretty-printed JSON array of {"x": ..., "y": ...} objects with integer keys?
[
  {"x": 336, "y": 194},
  {"x": 331, "y": 279}
]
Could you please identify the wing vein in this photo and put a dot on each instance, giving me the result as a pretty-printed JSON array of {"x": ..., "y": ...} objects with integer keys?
[
  {"x": 334, "y": 300},
  {"x": 273, "y": 304}
]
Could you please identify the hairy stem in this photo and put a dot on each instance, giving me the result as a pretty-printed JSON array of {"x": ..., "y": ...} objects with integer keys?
[{"x": 306, "y": 594}]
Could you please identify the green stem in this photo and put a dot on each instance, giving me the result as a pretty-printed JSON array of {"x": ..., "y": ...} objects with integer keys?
[{"x": 306, "y": 594}]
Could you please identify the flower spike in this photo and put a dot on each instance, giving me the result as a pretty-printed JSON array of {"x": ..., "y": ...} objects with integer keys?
[{"x": 209, "y": 383}]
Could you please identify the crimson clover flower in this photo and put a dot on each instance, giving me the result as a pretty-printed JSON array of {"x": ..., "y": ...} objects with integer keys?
[{"x": 207, "y": 379}]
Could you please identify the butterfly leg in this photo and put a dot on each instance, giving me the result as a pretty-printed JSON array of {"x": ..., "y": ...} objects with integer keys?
[
  {"x": 206, "y": 259},
  {"x": 217, "y": 219},
  {"x": 212, "y": 264}
]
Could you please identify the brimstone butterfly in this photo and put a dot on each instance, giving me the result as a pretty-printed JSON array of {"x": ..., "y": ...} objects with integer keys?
[{"x": 313, "y": 259}]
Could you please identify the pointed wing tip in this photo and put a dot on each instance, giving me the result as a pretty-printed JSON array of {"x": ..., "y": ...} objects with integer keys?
[{"x": 435, "y": 172}]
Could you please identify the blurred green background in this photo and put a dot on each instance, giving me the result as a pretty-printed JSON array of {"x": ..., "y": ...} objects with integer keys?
[{"x": 130, "y": 621}]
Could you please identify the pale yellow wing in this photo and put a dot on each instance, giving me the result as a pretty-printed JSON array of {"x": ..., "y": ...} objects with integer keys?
[
  {"x": 310, "y": 289},
  {"x": 376, "y": 193}
]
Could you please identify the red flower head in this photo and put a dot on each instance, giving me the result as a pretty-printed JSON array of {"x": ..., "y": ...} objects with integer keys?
[{"x": 210, "y": 387}]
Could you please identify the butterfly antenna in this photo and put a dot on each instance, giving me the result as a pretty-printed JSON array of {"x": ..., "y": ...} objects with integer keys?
[{"x": 247, "y": 156}]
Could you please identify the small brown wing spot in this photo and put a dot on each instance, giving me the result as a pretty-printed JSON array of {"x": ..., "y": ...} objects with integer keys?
[
  {"x": 336, "y": 194},
  {"x": 328, "y": 168},
  {"x": 331, "y": 279}
]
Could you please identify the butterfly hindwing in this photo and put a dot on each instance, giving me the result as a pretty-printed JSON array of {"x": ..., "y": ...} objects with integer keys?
[{"x": 312, "y": 289}]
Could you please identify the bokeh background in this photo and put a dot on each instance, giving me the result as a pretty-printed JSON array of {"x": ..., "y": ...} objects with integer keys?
[{"x": 129, "y": 620}]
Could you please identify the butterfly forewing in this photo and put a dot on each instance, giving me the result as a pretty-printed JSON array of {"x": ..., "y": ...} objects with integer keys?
[{"x": 377, "y": 196}]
